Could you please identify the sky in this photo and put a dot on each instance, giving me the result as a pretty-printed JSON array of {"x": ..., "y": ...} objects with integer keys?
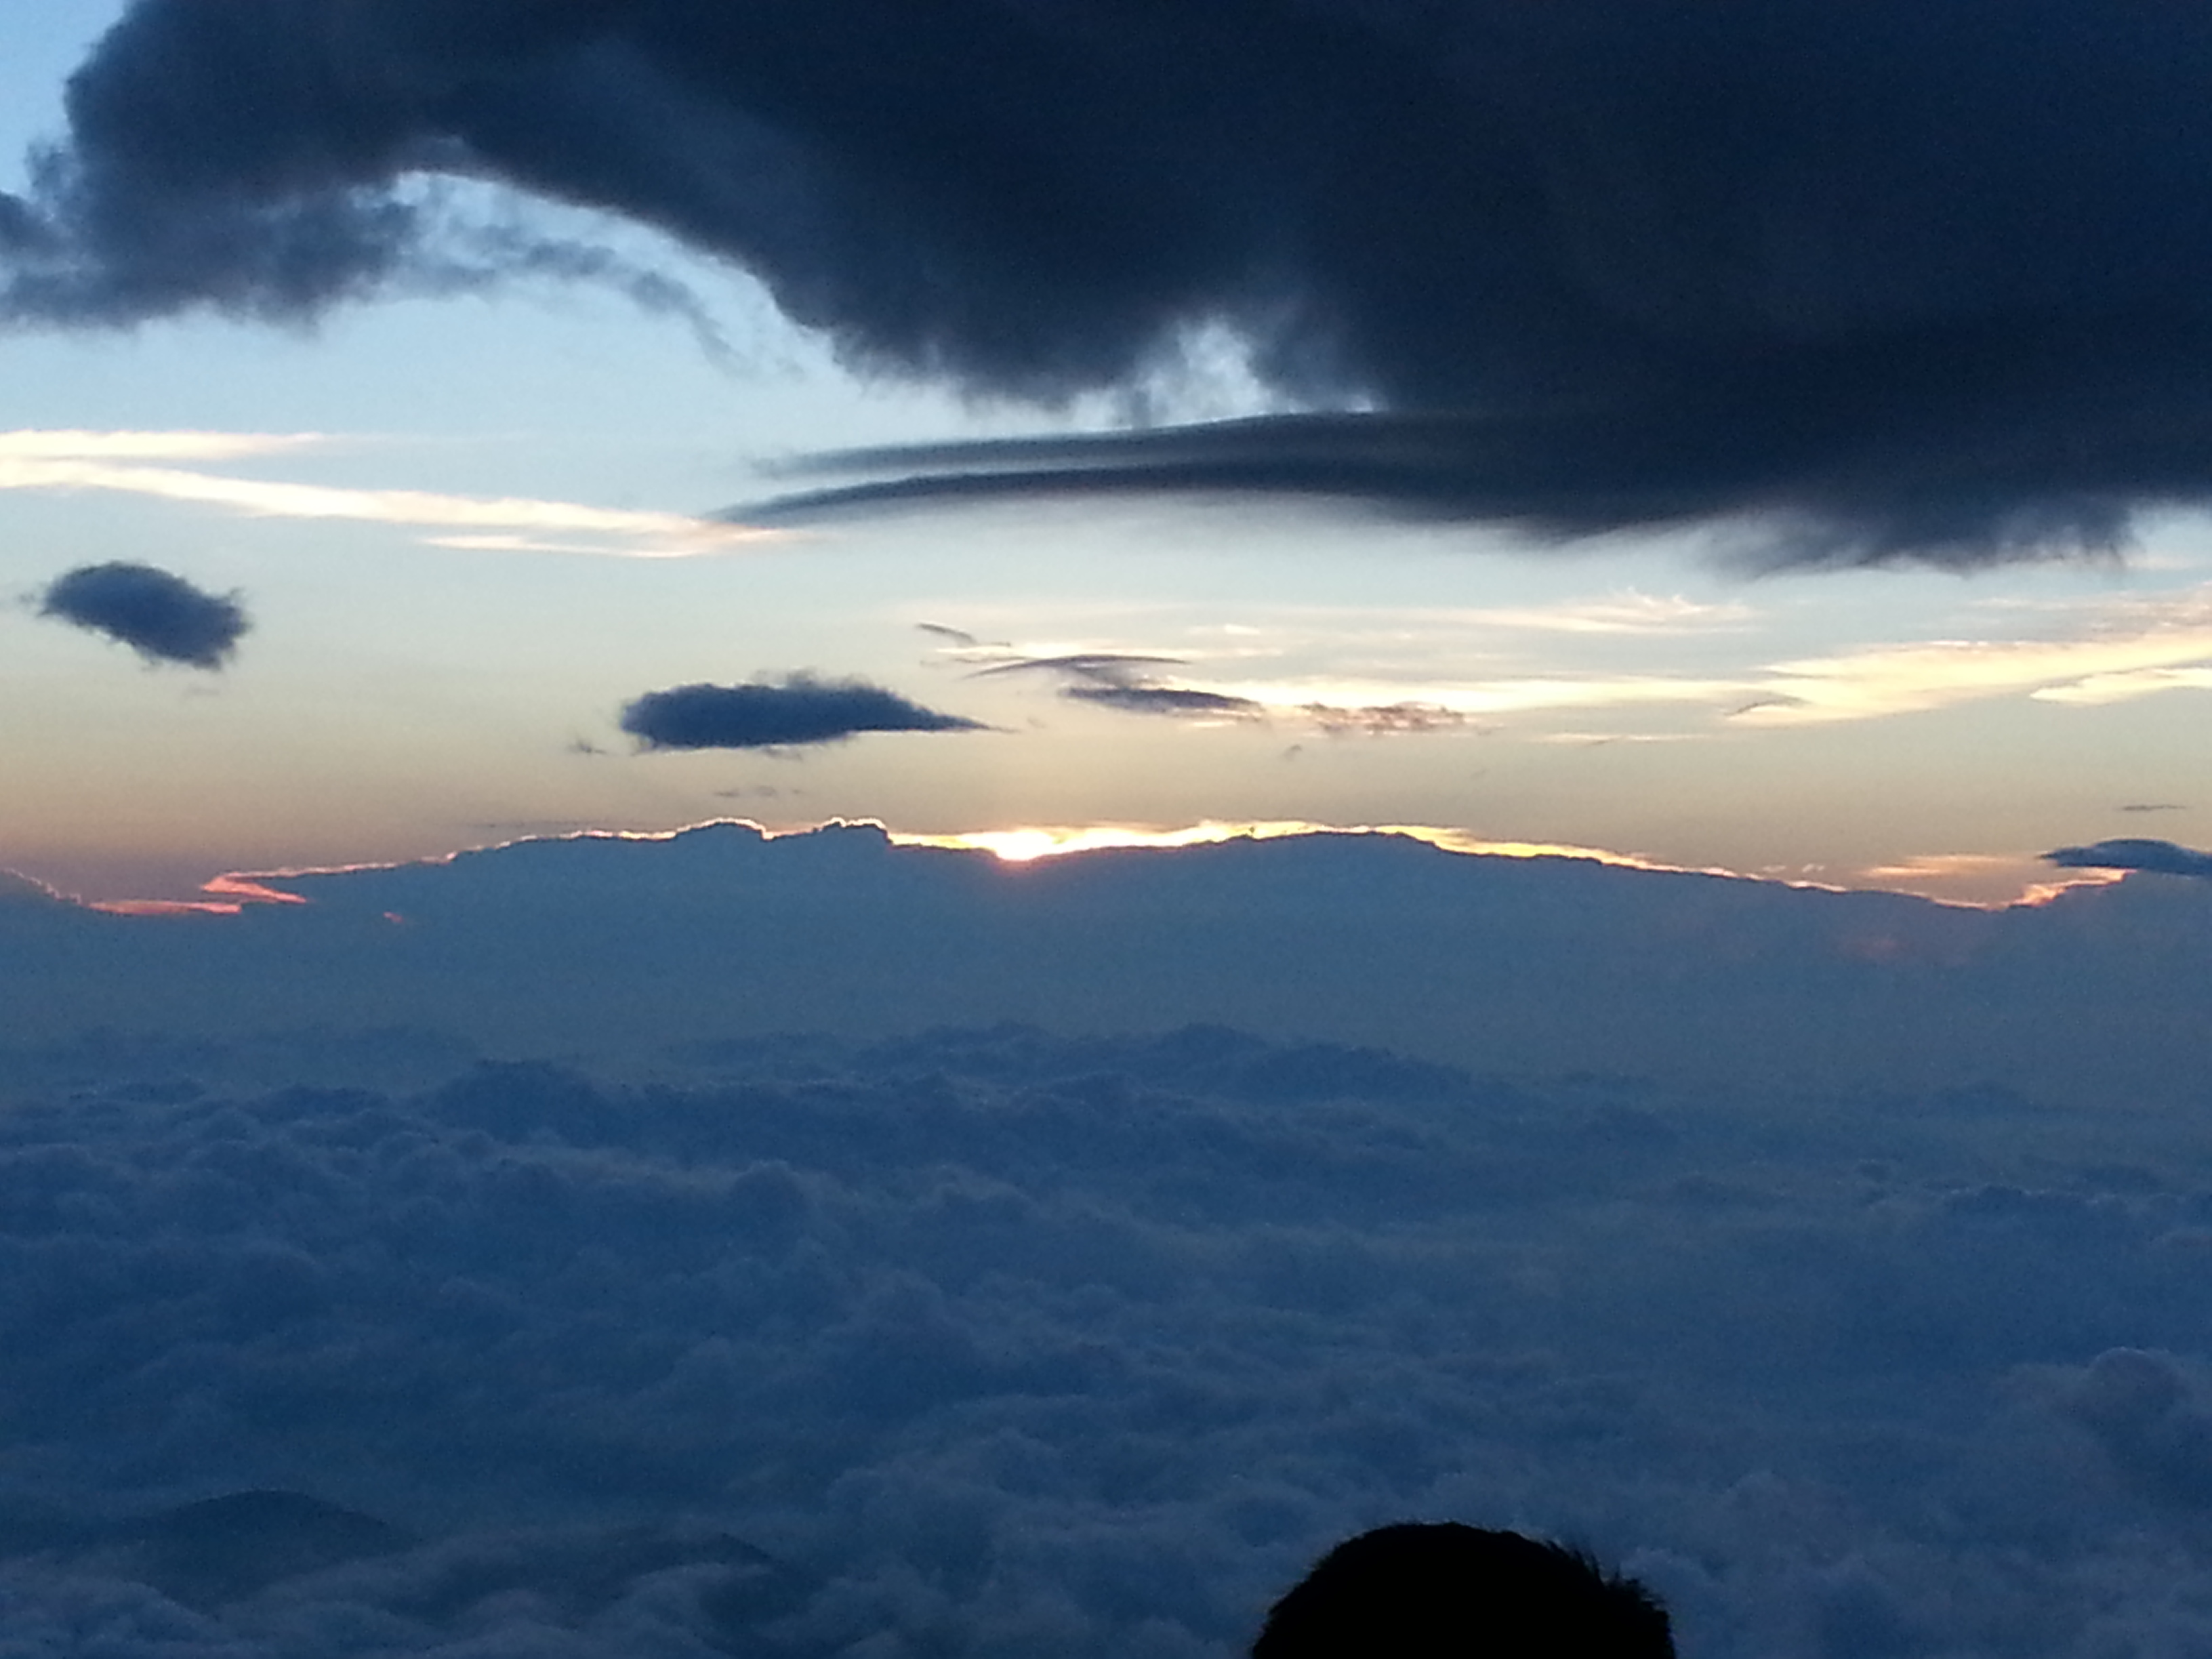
[
  {"x": 546, "y": 544},
  {"x": 461, "y": 490}
]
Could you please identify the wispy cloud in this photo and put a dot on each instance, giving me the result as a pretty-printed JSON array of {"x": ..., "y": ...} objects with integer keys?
[
  {"x": 2106, "y": 667},
  {"x": 2127, "y": 685},
  {"x": 1401, "y": 677},
  {"x": 113, "y": 462},
  {"x": 1131, "y": 683},
  {"x": 1625, "y": 612},
  {"x": 1521, "y": 696}
]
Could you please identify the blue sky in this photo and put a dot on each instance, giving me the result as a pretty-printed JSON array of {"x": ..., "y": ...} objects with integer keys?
[{"x": 1644, "y": 694}]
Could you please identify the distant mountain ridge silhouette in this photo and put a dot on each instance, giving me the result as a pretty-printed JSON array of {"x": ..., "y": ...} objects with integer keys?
[{"x": 607, "y": 946}]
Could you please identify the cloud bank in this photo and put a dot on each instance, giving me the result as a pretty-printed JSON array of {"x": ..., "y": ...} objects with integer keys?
[
  {"x": 771, "y": 714},
  {"x": 988, "y": 1343},
  {"x": 1896, "y": 279},
  {"x": 163, "y": 617}
]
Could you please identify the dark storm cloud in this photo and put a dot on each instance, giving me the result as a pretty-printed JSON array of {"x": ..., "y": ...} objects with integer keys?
[
  {"x": 163, "y": 617},
  {"x": 2132, "y": 852},
  {"x": 768, "y": 714},
  {"x": 1901, "y": 278}
]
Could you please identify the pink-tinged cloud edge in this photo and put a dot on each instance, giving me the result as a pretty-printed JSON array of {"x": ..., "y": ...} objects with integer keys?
[{"x": 1956, "y": 881}]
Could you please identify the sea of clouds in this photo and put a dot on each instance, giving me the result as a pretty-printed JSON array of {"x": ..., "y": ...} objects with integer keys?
[{"x": 996, "y": 1343}]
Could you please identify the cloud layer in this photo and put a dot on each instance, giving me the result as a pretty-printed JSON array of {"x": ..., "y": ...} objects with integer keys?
[
  {"x": 1909, "y": 280},
  {"x": 775, "y": 715},
  {"x": 990, "y": 1343},
  {"x": 163, "y": 617}
]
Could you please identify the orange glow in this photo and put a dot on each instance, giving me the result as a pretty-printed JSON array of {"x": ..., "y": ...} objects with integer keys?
[
  {"x": 236, "y": 886},
  {"x": 1967, "y": 880},
  {"x": 1020, "y": 846},
  {"x": 163, "y": 908},
  {"x": 1987, "y": 881}
]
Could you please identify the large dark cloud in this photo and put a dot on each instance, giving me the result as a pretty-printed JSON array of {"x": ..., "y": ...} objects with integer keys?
[
  {"x": 2134, "y": 853},
  {"x": 163, "y": 617},
  {"x": 1908, "y": 278},
  {"x": 768, "y": 714}
]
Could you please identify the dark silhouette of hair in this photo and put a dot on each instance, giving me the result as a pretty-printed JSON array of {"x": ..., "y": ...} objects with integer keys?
[{"x": 1449, "y": 1591}]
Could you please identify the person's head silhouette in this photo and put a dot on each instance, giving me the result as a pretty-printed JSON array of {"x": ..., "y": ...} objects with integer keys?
[{"x": 1449, "y": 1591}]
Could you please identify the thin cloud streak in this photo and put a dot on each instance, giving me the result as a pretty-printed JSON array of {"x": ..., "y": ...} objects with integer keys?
[
  {"x": 72, "y": 461},
  {"x": 2127, "y": 685},
  {"x": 1627, "y": 612},
  {"x": 1911, "y": 678},
  {"x": 2128, "y": 647}
]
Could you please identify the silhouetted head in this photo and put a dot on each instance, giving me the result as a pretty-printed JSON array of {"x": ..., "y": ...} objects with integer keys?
[{"x": 1453, "y": 1592}]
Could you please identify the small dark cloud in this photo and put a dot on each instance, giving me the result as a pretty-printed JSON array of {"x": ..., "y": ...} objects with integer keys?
[
  {"x": 2153, "y": 806},
  {"x": 2131, "y": 852},
  {"x": 768, "y": 714},
  {"x": 959, "y": 637},
  {"x": 1123, "y": 680},
  {"x": 164, "y": 618},
  {"x": 1388, "y": 720},
  {"x": 1178, "y": 702}
]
